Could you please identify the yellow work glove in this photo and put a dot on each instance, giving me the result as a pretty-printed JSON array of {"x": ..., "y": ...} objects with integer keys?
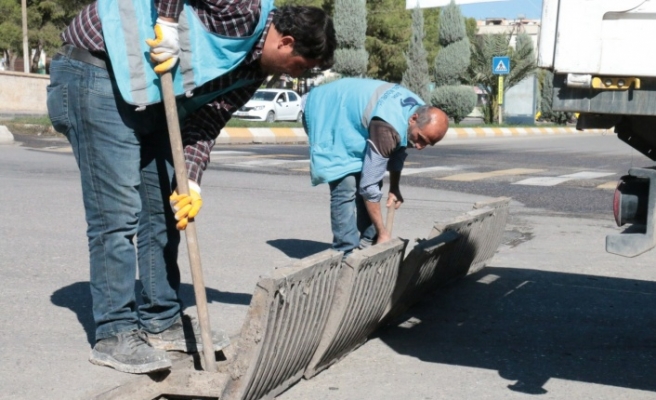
[
  {"x": 165, "y": 48},
  {"x": 186, "y": 206}
]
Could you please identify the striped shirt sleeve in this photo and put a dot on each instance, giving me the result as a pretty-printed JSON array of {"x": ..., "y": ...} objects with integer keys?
[
  {"x": 373, "y": 172},
  {"x": 200, "y": 130},
  {"x": 383, "y": 153}
]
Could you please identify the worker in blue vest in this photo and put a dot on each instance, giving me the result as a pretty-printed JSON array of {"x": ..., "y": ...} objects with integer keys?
[
  {"x": 104, "y": 96},
  {"x": 358, "y": 129}
]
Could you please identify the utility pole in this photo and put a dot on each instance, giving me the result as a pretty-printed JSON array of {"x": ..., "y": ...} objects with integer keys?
[{"x": 26, "y": 49}]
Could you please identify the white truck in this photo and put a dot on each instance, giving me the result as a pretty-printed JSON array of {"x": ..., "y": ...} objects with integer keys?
[{"x": 603, "y": 56}]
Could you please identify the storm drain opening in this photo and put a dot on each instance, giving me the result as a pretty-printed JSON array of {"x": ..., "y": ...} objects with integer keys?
[{"x": 419, "y": 272}]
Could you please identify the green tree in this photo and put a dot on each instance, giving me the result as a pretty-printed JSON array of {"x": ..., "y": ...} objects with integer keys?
[
  {"x": 46, "y": 19},
  {"x": 388, "y": 34},
  {"x": 522, "y": 65},
  {"x": 350, "y": 27},
  {"x": 388, "y": 30},
  {"x": 416, "y": 76},
  {"x": 471, "y": 26},
  {"x": 11, "y": 34},
  {"x": 451, "y": 65},
  {"x": 546, "y": 102}
]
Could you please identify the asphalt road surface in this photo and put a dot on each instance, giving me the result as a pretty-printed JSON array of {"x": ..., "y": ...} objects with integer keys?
[
  {"x": 571, "y": 174},
  {"x": 552, "y": 314}
]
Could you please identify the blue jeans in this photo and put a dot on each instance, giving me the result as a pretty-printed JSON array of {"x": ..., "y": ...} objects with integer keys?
[
  {"x": 349, "y": 219},
  {"x": 126, "y": 170}
]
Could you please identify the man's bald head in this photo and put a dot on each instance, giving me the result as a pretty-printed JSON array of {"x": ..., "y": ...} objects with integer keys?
[{"x": 427, "y": 126}]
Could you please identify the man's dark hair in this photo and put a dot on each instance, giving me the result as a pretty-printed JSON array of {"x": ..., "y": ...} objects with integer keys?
[{"x": 312, "y": 30}]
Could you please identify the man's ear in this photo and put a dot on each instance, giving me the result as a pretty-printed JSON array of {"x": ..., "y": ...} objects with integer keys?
[
  {"x": 286, "y": 41},
  {"x": 413, "y": 118}
]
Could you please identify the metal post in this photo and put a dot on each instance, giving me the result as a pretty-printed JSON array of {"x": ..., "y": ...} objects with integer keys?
[
  {"x": 26, "y": 49},
  {"x": 500, "y": 97}
]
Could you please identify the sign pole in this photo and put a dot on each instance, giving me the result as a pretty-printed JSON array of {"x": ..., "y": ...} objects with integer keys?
[
  {"x": 501, "y": 67},
  {"x": 500, "y": 97}
]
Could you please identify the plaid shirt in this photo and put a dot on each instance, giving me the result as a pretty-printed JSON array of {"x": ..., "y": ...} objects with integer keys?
[{"x": 223, "y": 17}]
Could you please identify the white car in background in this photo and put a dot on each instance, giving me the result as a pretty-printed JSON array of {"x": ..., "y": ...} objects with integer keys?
[{"x": 272, "y": 105}]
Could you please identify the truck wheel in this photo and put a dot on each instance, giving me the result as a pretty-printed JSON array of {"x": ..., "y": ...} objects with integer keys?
[{"x": 271, "y": 117}]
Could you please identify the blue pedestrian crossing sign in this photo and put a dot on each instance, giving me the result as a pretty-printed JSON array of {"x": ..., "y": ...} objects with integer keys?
[{"x": 500, "y": 65}]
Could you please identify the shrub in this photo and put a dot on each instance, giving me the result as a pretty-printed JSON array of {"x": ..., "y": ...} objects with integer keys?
[
  {"x": 351, "y": 62},
  {"x": 456, "y": 101}
]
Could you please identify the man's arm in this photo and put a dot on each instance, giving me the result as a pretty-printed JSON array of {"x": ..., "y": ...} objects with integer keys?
[
  {"x": 169, "y": 9},
  {"x": 395, "y": 165},
  {"x": 383, "y": 140},
  {"x": 202, "y": 127}
]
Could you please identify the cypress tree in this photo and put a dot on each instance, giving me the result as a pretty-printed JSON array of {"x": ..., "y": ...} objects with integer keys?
[
  {"x": 451, "y": 65},
  {"x": 416, "y": 76},
  {"x": 350, "y": 21},
  {"x": 546, "y": 102}
]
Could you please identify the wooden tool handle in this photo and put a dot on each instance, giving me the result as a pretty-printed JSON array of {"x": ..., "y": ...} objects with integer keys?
[{"x": 190, "y": 232}]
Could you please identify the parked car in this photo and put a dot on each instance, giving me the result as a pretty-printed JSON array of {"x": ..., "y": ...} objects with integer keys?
[{"x": 272, "y": 105}]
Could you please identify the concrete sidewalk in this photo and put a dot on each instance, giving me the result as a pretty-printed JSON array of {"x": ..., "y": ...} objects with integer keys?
[{"x": 297, "y": 135}]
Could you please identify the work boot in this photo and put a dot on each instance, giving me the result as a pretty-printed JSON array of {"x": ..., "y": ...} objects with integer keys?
[
  {"x": 129, "y": 352},
  {"x": 184, "y": 335}
]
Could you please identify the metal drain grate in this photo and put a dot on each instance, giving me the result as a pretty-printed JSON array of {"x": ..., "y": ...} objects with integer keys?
[
  {"x": 363, "y": 294},
  {"x": 283, "y": 327}
]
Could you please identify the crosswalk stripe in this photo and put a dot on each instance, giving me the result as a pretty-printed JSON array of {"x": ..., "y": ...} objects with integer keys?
[
  {"x": 557, "y": 180},
  {"x": 612, "y": 185},
  {"x": 475, "y": 176},
  {"x": 588, "y": 175},
  {"x": 265, "y": 160},
  {"x": 414, "y": 171},
  {"x": 542, "y": 181}
]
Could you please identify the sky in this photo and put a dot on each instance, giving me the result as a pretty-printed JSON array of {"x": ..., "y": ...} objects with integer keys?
[{"x": 531, "y": 9}]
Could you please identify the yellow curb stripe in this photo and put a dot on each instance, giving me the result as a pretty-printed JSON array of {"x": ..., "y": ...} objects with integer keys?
[
  {"x": 608, "y": 185},
  {"x": 239, "y": 133},
  {"x": 475, "y": 176},
  {"x": 283, "y": 132},
  {"x": 298, "y": 135}
]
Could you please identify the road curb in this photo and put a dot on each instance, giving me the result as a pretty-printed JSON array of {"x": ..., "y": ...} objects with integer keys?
[
  {"x": 461, "y": 133},
  {"x": 5, "y": 136},
  {"x": 297, "y": 135}
]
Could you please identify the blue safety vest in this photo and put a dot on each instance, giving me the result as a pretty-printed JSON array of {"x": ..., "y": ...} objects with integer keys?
[
  {"x": 204, "y": 55},
  {"x": 337, "y": 116}
]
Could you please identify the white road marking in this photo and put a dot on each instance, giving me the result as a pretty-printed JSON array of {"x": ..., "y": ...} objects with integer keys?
[
  {"x": 557, "y": 180},
  {"x": 588, "y": 175},
  {"x": 414, "y": 171},
  {"x": 542, "y": 181},
  {"x": 266, "y": 162},
  {"x": 475, "y": 176}
]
